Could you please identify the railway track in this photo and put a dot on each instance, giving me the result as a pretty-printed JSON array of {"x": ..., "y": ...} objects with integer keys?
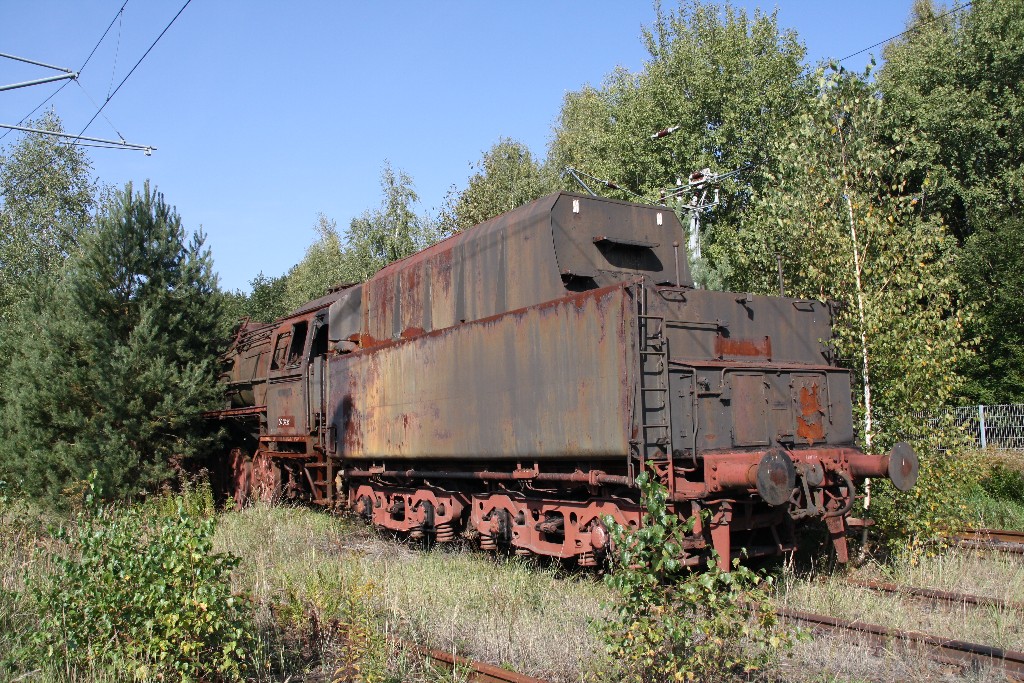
[
  {"x": 938, "y": 648},
  {"x": 1003, "y": 540},
  {"x": 945, "y": 650},
  {"x": 937, "y": 595},
  {"x": 479, "y": 672}
]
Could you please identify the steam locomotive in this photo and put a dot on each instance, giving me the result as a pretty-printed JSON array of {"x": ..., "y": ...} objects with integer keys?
[{"x": 509, "y": 385}]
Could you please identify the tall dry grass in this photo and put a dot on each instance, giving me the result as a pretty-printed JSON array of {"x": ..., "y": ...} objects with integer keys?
[
  {"x": 333, "y": 596},
  {"x": 506, "y": 611},
  {"x": 537, "y": 620}
]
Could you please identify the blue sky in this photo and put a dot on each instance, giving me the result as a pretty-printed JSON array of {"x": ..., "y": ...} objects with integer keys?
[{"x": 265, "y": 114}]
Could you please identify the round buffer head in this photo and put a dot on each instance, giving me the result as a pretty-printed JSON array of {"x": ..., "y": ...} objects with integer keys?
[
  {"x": 776, "y": 477},
  {"x": 903, "y": 466}
]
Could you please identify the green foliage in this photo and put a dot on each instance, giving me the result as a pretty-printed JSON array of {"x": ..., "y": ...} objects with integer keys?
[
  {"x": 839, "y": 211},
  {"x": 907, "y": 523},
  {"x": 1005, "y": 483},
  {"x": 997, "y": 500},
  {"x": 113, "y": 368},
  {"x": 992, "y": 271},
  {"x": 322, "y": 267},
  {"x": 955, "y": 79},
  {"x": 506, "y": 177},
  {"x": 672, "y": 623},
  {"x": 48, "y": 196},
  {"x": 265, "y": 303},
  {"x": 388, "y": 233},
  {"x": 141, "y": 592},
  {"x": 732, "y": 82}
]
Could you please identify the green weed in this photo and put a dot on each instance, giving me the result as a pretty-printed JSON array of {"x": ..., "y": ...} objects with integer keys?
[
  {"x": 138, "y": 590},
  {"x": 671, "y": 623}
]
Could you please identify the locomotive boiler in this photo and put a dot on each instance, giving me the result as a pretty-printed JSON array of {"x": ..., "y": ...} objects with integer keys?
[{"x": 510, "y": 383}]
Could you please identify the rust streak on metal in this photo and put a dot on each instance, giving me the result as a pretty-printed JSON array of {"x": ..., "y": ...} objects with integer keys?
[
  {"x": 744, "y": 348},
  {"x": 809, "y": 420}
]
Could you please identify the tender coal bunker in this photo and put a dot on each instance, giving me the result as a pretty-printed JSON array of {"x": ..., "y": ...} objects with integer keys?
[{"x": 629, "y": 256}]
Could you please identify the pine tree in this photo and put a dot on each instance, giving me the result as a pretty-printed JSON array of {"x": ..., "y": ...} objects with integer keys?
[{"x": 113, "y": 369}]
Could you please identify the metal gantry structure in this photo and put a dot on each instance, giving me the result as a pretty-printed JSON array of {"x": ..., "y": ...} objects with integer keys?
[{"x": 66, "y": 74}]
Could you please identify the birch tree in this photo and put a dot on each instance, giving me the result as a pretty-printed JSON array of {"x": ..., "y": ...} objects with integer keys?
[{"x": 839, "y": 210}]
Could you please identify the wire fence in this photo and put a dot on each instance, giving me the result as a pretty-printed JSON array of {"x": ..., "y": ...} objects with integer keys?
[{"x": 999, "y": 426}]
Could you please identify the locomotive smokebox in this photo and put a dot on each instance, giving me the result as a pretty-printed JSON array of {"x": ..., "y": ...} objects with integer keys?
[
  {"x": 903, "y": 466},
  {"x": 776, "y": 477}
]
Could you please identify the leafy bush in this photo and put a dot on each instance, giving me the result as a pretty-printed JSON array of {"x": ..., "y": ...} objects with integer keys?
[
  {"x": 142, "y": 592},
  {"x": 673, "y": 623},
  {"x": 1004, "y": 483},
  {"x": 912, "y": 521}
]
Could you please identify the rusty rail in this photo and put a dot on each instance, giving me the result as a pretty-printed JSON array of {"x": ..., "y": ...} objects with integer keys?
[
  {"x": 937, "y": 595},
  {"x": 945, "y": 650},
  {"x": 999, "y": 535},
  {"x": 476, "y": 671},
  {"x": 1003, "y": 540}
]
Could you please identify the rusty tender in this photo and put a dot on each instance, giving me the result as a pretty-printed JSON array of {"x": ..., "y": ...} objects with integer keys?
[{"x": 510, "y": 383}]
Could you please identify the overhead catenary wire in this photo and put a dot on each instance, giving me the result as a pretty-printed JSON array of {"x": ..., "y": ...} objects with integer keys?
[
  {"x": 80, "y": 70},
  {"x": 909, "y": 30},
  {"x": 76, "y": 140},
  {"x": 105, "y": 117},
  {"x": 117, "y": 53},
  {"x": 100, "y": 41},
  {"x": 610, "y": 184},
  {"x": 130, "y": 72}
]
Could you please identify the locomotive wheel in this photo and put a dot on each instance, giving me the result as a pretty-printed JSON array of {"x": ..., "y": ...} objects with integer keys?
[
  {"x": 240, "y": 465},
  {"x": 266, "y": 478}
]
